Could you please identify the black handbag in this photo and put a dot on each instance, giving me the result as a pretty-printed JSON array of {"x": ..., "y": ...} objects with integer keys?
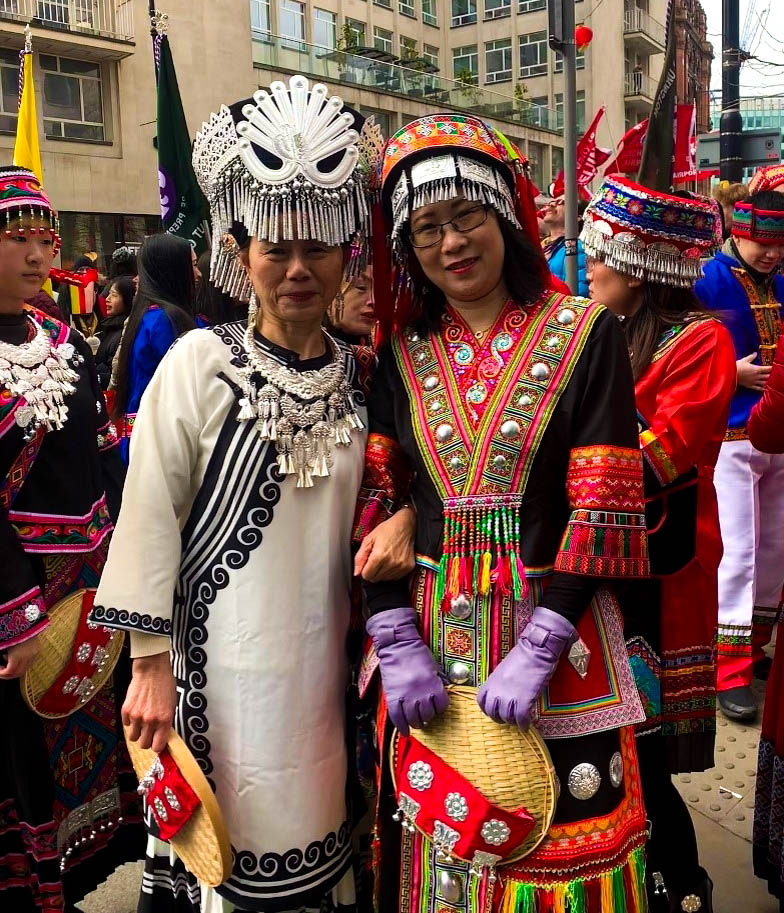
[{"x": 671, "y": 518}]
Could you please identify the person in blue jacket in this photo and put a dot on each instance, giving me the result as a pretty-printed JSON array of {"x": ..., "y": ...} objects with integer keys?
[
  {"x": 162, "y": 311},
  {"x": 554, "y": 248},
  {"x": 743, "y": 283}
]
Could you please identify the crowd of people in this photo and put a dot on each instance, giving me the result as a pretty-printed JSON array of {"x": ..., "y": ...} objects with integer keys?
[{"x": 438, "y": 570}]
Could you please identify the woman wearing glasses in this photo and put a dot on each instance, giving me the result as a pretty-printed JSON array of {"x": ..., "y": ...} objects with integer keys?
[{"x": 512, "y": 407}]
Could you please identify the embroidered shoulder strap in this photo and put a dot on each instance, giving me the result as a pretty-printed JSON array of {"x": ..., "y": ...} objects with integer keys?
[
  {"x": 482, "y": 476},
  {"x": 767, "y": 315}
]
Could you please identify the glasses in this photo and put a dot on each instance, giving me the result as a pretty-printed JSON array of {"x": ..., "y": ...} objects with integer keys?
[{"x": 465, "y": 221}]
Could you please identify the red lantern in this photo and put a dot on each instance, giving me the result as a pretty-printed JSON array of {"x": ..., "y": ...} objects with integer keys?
[{"x": 583, "y": 36}]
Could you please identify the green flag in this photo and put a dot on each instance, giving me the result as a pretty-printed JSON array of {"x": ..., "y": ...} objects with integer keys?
[{"x": 184, "y": 210}]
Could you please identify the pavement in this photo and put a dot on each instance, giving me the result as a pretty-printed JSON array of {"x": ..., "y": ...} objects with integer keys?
[{"x": 721, "y": 802}]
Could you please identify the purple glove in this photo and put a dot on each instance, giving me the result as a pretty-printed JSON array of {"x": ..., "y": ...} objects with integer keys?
[
  {"x": 509, "y": 693},
  {"x": 412, "y": 686}
]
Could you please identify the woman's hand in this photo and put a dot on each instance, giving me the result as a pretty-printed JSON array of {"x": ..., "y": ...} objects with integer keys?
[
  {"x": 753, "y": 377},
  {"x": 19, "y": 658},
  {"x": 388, "y": 552},
  {"x": 149, "y": 705}
]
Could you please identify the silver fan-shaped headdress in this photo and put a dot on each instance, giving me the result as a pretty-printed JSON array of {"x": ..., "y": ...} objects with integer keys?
[{"x": 289, "y": 164}]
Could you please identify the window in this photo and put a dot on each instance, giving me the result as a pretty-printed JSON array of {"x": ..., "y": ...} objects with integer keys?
[
  {"x": 73, "y": 105},
  {"x": 498, "y": 60},
  {"x": 383, "y": 118},
  {"x": 357, "y": 29},
  {"x": 382, "y": 40},
  {"x": 536, "y": 162},
  {"x": 497, "y": 9},
  {"x": 579, "y": 61},
  {"x": 387, "y": 4},
  {"x": 430, "y": 54},
  {"x": 291, "y": 22},
  {"x": 429, "y": 16},
  {"x": 9, "y": 83},
  {"x": 465, "y": 64},
  {"x": 406, "y": 8},
  {"x": 533, "y": 54},
  {"x": 463, "y": 12},
  {"x": 579, "y": 105},
  {"x": 408, "y": 48},
  {"x": 530, "y": 6},
  {"x": 538, "y": 111},
  {"x": 557, "y": 161},
  {"x": 324, "y": 28},
  {"x": 260, "y": 17}
]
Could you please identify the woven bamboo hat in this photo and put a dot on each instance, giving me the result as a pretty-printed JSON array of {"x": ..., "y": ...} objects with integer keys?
[
  {"x": 202, "y": 839},
  {"x": 75, "y": 661}
]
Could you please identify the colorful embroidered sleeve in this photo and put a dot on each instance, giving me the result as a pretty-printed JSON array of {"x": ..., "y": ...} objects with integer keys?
[
  {"x": 387, "y": 477},
  {"x": 22, "y": 611},
  {"x": 693, "y": 398},
  {"x": 605, "y": 535}
]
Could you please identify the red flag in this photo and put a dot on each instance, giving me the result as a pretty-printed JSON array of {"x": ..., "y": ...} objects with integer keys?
[
  {"x": 589, "y": 158},
  {"x": 629, "y": 150},
  {"x": 685, "y": 168}
]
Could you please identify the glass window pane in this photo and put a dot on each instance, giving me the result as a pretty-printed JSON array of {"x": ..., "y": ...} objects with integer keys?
[
  {"x": 79, "y": 67},
  {"x": 10, "y": 83},
  {"x": 61, "y": 97},
  {"x": 292, "y": 20},
  {"x": 9, "y": 56},
  {"x": 324, "y": 28},
  {"x": 91, "y": 98},
  {"x": 83, "y": 131},
  {"x": 48, "y": 62},
  {"x": 53, "y": 128},
  {"x": 260, "y": 15}
]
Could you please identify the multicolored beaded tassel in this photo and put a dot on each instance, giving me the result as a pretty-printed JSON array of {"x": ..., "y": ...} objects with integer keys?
[{"x": 481, "y": 549}]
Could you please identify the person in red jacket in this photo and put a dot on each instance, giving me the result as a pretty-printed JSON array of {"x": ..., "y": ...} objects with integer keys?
[
  {"x": 643, "y": 257},
  {"x": 766, "y": 433}
]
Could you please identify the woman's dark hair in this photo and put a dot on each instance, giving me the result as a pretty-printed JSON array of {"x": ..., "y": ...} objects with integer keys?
[
  {"x": 214, "y": 305},
  {"x": 126, "y": 289},
  {"x": 166, "y": 281},
  {"x": 522, "y": 273},
  {"x": 771, "y": 200},
  {"x": 663, "y": 307},
  {"x": 123, "y": 263}
]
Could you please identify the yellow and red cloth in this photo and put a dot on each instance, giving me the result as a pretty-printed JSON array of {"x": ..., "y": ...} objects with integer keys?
[{"x": 81, "y": 287}]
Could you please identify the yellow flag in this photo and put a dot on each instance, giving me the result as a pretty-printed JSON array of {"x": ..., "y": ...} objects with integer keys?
[{"x": 27, "y": 152}]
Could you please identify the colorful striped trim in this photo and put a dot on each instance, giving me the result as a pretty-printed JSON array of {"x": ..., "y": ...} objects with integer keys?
[
  {"x": 22, "y": 618},
  {"x": 59, "y": 533},
  {"x": 765, "y": 226},
  {"x": 658, "y": 459},
  {"x": 606, "y": 534}
]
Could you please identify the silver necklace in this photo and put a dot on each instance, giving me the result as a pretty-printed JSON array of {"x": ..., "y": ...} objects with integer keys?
[
  {"x": 43, "y": 374},
  {"x": 303, "y": 412}
]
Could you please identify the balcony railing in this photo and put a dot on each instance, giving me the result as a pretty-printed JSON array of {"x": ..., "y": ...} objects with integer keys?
[
  {"x": 421, "y": 85},
  {"x": 639, "y": 85},
  {"x": 637, "y": 21},
  {"x": 101, "y": 18}
]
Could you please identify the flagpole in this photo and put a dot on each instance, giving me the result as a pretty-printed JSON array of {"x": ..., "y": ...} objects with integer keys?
[{"x": 570, "y": 145}]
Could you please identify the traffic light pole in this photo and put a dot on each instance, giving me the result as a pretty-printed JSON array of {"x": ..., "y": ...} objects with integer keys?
[{"x": 731, "y": 124}]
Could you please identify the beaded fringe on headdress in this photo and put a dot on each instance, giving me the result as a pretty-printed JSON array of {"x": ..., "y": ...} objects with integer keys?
[{"x": 654, "y": 262}]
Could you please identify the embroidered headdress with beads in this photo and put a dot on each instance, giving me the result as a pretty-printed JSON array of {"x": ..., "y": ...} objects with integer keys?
[
  {"x": 289, "y": 162},
  {"x": 771, "y": 177},
  {"x": 435, "y": 157},
  {"x": 750, "y": 221},
  {"x": 22, "y": 197},
  {"x": 650, "y": 235}
]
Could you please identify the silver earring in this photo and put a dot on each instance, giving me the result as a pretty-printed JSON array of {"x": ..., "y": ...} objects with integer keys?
[{"x": 253, "y": 309}]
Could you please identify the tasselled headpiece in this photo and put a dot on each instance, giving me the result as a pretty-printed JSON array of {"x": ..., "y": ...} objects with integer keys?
[
  {"x": 289, "y": 162},
  {"x": 650, "y": 235},
  {"x": 23, "y": 197}
]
